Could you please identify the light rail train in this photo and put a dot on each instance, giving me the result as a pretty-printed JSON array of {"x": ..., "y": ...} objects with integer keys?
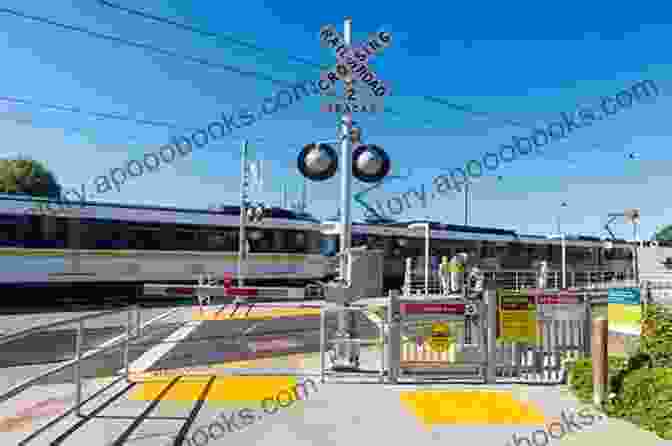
[{"x": 45, "y": 243}]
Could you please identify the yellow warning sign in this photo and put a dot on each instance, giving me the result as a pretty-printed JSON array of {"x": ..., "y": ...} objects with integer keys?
[
  {"x": 440, "y": 340},
  {"x": 517, "y": 317}
]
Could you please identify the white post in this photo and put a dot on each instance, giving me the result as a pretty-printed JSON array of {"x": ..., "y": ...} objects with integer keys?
[
  {"x": 346, "y": 172},
  {"x": 466, "y": 203},
  {"x": 242, "y": 242},
  {"x": 426, "y": 259},
  {"x": 635, "y": 256},
  {"x": 564, "y": 261}
]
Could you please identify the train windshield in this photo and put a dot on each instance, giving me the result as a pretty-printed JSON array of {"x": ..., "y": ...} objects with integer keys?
[{"x": 329, "y": 246}]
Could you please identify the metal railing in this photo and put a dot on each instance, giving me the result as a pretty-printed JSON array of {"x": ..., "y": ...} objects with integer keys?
[
  {"x": 522, "y": 279},
  {"x": 325, "y": 341},
  {"x": 133, "y": 329}
]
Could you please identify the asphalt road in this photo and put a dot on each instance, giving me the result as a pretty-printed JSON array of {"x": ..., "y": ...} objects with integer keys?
[
  {"x": 213, "y": 341},
  {"x": 239, "y": 340}
]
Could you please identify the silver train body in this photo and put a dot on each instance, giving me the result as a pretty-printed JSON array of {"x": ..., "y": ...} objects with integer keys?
[{"x": 44, "y": 242}]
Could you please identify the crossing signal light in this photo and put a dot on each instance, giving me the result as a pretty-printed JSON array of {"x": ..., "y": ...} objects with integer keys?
[
  {"x": 318, "y": 162},
  {"x": 257, "y": 214},
  {"x": 370, "y": 163}
]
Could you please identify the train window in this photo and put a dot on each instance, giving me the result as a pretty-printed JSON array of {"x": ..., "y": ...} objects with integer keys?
[
  {"x": 144, "y": 238},
  {"x": 260, "y": 241},
  {"x": 218, "y": 241},
  {"x": 488, "y": 251},
  {"x": 103, "y": 235},
  {"x": 313, "y": 243},
  {"x": 54, "y": 232},
  {"x": 185, "y": 239},
  {"x": 296, "y": 241},
  {"x": 279, "y": 241},
  {"x": 9, "y": 233}
]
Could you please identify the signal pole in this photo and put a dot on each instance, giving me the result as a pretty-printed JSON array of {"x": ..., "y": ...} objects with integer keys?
[{"x": 346, "y": 170}]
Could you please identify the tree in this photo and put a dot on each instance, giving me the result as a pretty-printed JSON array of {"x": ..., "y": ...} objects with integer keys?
[
  {"x": 663, "y": 233},
  {"x": 27, "y": 176}
]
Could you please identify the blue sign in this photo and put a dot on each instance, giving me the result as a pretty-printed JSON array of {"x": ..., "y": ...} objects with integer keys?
[{"x": 626, "y": 296}]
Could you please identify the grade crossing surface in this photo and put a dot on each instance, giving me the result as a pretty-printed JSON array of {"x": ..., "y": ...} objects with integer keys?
[{"x": 179, "y": 409}]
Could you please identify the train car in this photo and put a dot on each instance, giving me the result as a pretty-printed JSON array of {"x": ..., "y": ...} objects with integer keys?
[
  {"x": 48, "y": 244},
  {"x": 496, "y": 250}
]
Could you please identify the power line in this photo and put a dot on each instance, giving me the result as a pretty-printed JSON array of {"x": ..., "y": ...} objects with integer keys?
[
  {"x": 206, "y": 33},
  {"x": 202, "y": 61},
  {"x": 97, "y": 35},
  {"x": 203, "y": 32},
  {"x": 103, "y": 115}
]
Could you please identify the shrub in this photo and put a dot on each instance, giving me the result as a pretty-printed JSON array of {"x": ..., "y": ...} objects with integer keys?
[
  {"x": 581, "y": 375},
  {"x": 658, "y": 342},
  {"x": 646, "y": 399}
]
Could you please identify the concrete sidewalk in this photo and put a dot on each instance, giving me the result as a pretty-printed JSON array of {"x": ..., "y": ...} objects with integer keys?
[{"x": 332, "y": 413}]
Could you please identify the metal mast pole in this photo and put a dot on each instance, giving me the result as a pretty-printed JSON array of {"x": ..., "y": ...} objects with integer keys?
[
  {"x": 466, "y": 204},
  {"x": 242, "y": 241},
  {"x": 427, "y": 259},
  {"x": 346, "y": 173},
  {"x": 284, "y": 196}
]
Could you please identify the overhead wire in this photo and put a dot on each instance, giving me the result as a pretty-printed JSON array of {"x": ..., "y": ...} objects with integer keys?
[
  {"x": 254, "y": 74},
  {"x": 97, "y": 114},
  {"x": 155, "y": 123},
  {"x": 206, "y": 33},
  {"x": 97, "y": 35},
  {"x": 199, "y": 60}
]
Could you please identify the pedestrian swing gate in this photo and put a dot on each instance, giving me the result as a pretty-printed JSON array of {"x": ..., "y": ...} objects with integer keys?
[{"x": 503, "y": 337}]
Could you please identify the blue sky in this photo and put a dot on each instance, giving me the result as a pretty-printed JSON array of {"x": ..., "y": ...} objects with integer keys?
[{"x": 517, "y": 61}]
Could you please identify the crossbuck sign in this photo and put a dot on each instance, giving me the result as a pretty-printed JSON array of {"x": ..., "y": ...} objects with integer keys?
[{"x": 353, "y": 63}]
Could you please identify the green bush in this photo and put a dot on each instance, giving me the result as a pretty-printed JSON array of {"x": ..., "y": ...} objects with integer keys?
[
  {"x": 646, "y": 399},
  {"x": 581, "y": 379},
  {"x": 581, "y": 375},
  {"x": 658, "y": 344}
]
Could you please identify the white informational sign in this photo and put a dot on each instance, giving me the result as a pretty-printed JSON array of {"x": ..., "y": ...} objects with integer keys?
[{"x": 563, "y": 305}]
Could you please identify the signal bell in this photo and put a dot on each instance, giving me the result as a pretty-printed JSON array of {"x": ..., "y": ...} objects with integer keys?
[
  {"x": 318, "y": 162},
  {"x": 370, "y": 163}
]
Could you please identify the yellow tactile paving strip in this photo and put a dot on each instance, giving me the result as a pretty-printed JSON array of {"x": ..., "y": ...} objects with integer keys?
[
  {"x": 255, "y": 314},
  {"x": 224, "y": 388},
  {"x": 470, "y": 407}
]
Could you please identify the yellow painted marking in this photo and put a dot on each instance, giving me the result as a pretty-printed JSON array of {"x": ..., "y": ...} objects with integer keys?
[
  {"x": 261, "y": 314},
  {"x": 225, "y": 388},
  {"x": 470, "y": 407}
]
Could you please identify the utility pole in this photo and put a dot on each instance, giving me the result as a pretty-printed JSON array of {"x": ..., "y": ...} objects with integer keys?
[{"x": 244, "y": 204}]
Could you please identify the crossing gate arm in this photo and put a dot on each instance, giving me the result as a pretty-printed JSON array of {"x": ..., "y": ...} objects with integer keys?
[{"x": 273, "y": 293}]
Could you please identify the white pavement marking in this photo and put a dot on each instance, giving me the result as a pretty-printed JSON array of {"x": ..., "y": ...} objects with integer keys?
[{"x": 147, "y": 359}]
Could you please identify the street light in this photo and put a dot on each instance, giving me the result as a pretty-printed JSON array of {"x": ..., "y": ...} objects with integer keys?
[
  {"x": 562, "y": 205},
  {"x": 426, "y": 227}
]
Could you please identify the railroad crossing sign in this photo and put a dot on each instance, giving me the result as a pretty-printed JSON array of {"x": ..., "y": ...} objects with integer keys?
[{"x": 351, "y": 67}]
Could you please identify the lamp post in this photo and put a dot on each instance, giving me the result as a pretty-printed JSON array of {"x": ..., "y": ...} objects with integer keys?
[
  {"x": 426, "y": 227},
  {"x": 557, "y": 218}
]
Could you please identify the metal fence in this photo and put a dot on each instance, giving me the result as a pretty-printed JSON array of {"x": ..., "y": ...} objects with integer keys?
[
  {"x": 524, "y": 279},
  {"x": 476, "y": 353},
  {"x": 133, "y": 329}
]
